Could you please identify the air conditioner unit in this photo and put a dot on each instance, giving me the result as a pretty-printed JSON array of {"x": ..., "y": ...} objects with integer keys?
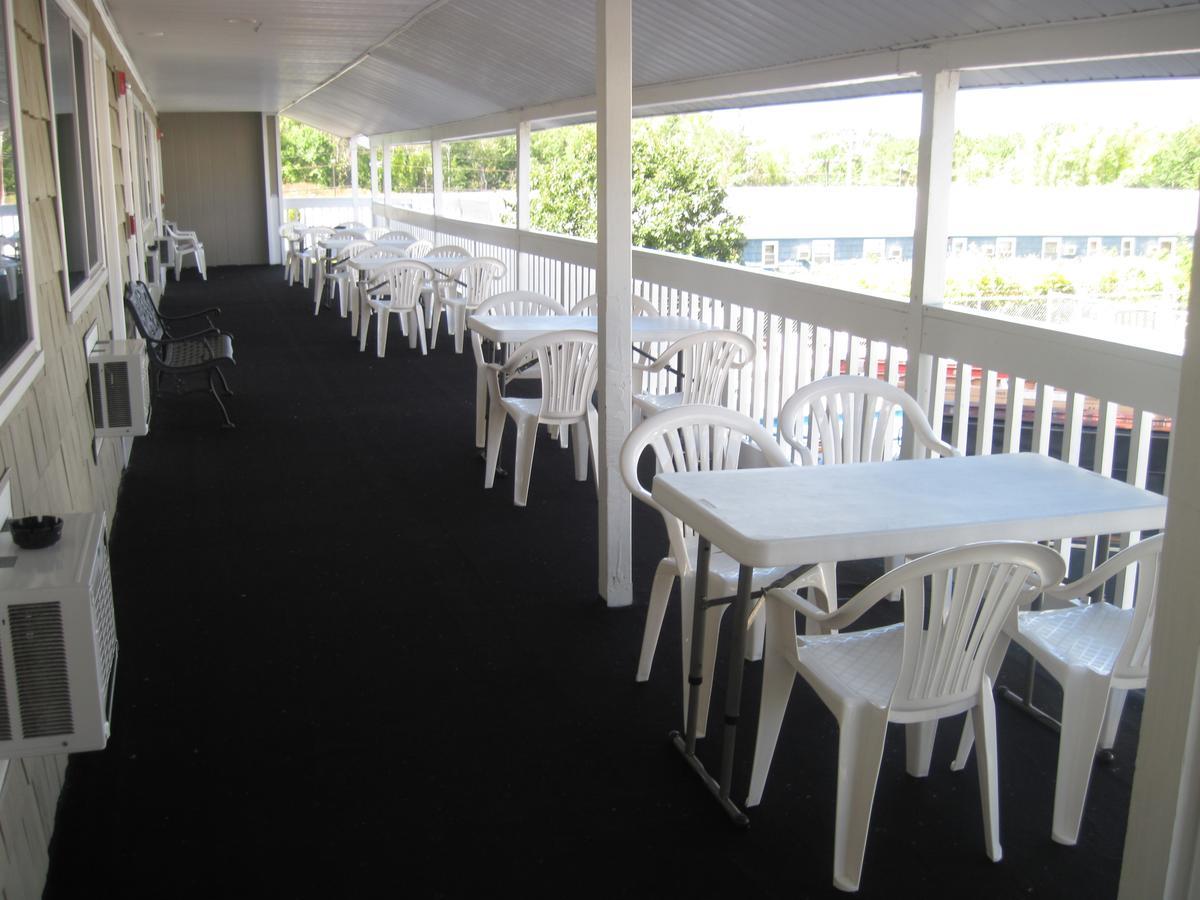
[
  {"x": 58, "y": 642},
  {"x": 120, "y": 388}
]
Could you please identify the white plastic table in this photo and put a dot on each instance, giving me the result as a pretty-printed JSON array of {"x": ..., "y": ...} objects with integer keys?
[
  {"x": 810, "y": 514},
  {"x": 517, "y": 329}
]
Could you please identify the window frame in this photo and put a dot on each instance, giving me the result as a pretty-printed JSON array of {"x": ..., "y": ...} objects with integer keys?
[
  {"x": 1006, "y": 248},
  {"x": 774, "y": 263},
  {"x": 78, "y": 300},
  {"x": 18, "y": 375}
]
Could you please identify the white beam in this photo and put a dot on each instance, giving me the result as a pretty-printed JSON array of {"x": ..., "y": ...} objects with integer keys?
[
  {"x": 935, "y": 159},
  {"x": 1162, "y": 846},
  {"x": 374, "y": 168},
  {"x": 387, "y": 174},
  {"x": 435, "y": 149},
  {"x": 354, "y": 175},
  {"x": 524, "y": 195},
  {"x": 1136, "y": 34},
  {"x": 614, "y": 285},
  {"x": 271, "y": 178}
]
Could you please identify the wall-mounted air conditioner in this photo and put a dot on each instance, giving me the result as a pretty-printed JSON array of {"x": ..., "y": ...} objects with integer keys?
[
  {"x": 58, "y": 642},
  {"x": 119, "y": 381}
]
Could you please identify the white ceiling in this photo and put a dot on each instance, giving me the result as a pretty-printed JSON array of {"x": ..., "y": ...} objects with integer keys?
[{"x": 450, "y": 60}]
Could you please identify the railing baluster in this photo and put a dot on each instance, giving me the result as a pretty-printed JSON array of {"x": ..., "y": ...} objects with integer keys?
[
  {"x": 985, "y": 421},
  {"x": 1043, "y": 415},
  {"x": 1014, "y": 414}
]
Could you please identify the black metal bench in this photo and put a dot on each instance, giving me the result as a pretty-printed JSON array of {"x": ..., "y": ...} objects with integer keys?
[{"x": 181, "y": 359}]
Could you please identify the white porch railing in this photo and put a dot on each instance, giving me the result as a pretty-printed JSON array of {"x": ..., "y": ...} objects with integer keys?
[{"x": 997, "y": 385}]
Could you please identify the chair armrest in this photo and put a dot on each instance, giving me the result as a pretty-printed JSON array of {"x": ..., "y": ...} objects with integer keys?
[{"x": 850, "y": 612}]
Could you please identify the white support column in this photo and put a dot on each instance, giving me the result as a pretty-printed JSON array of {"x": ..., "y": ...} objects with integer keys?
[
  {"x": 435, "y": 149},
  {"x": 273, "y": 199},
  {"x": 387, "y": 174},
  {"x": 935, "y": 158},
  {"x": 1162, "y": 844},
  {"x": 614, "y": 280},
  {"x": 375, "y": 195},
  {"x": 524, "y": 192},
  {"x": 354, "y": 176}
]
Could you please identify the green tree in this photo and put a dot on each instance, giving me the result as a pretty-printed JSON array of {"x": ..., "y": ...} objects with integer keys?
[
  {"x": 678, "y": 192},
  {"x": 1176, "y": 164}
]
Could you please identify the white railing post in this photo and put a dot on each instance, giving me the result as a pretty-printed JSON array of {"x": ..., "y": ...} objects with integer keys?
[
  {"x": 387, "y": 174},
  {"x": 935, "y": 157},
  {"x": 354, "y": 177},
  {"x": 374, "y": 182},
  {"x": 435, "y": 150},
  {"x": 524, "y": 193},
  {"x": 614, "y": 279}
]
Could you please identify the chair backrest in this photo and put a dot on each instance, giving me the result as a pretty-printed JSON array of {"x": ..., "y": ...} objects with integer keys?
[
  {"x": 417, "y": 249},
  {"x": 588, "y": 305},
  {"x": 706, "y": 359},
  {"x": 395, "y": 236},
  {"x": 449, "y": 250},
  {"x": 956, "y": 603},
  {"x": 1140, "y": 562},
  {"x": 145, "y": 316},
  {"x": 351, "y": 250},
  {"x": 513, "y": 303},
  {"x": 852, "y": 418},
  {"x": 567, "y": 365},
  {"x": 373, "y": 251},
  {"x": 481, "y": 276},
  {"x": 314, "y": 234},
  {"x": 405, "y": 280},
  {"x": 692, "y": 439},
  {"x": 344, "y": 225}
]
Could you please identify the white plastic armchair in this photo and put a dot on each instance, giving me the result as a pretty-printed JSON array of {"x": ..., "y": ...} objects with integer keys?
[
  {"x": 463, "y": 287},
  {"x": 395, "y": 235},
  {"x": 705, "y": 360},
  {"x": 696, "y": 438},
  {"x": 405, "y": 280},
  {"x": 1098, "y": 652},
  {"x": 589, "y": 304},
  {"x": 506, "y": 303},
  {"x": 419, "y": 249},
  {"x": 357, "y": 302},
  {"x": 347, "y": 226},
  {"x": 567, "y": 364},
  {"x": 310, "y": 253},
  {"x": 341, "y": 277},
  {"x": 930, "y": 666},
  {"x": 182, "y": 243},
  {"x": 293, "y": 241}
]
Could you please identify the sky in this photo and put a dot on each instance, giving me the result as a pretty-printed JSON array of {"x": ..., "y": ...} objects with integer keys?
[{"x": 1153, "y": 104}]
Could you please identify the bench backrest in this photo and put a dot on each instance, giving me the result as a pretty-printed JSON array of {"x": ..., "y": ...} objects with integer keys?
[{"x": 145, "y": 316}]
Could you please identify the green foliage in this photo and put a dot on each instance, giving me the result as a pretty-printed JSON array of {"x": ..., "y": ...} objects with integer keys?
[{"x": 1177, "y": 163}]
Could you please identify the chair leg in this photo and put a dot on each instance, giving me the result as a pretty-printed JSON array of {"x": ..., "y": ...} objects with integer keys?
[
  {"x": 364, "y": 326},
  {"x": 580, "y": 449},
  {"x": 966, "y": 741},
  {"x": 860, "y": 751},
  {"x": 983, "y": 717},
  {"x": 523, "y": 463},
  {"x": 224, "y": 384},
  {"x": 660, "y": 594},
  {"x": 593, "y": 439},
  {"x": 212, "y": 389},
  {"x": 778, "y": 680},
  {"x": 460, "y": 326},
  {"x": 918, "y": 747},
  {"x": 496, "y": 417},
  {"x": 434, "y": 320},
  {"x": 178, "y": 265},
  {"x": 318, "y": 291},
  {"x": 1112, "y": 718},
  {"x": 419, "y": 327},
  {"x": 481, "y": 399},
  {"x": 1085, "y": 699},
  {"x": 200, "y": 264},
  {"x": 381, "y": 330}
]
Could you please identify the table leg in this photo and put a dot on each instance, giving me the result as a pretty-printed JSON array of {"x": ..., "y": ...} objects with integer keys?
[{"x": 686, "y": 743}]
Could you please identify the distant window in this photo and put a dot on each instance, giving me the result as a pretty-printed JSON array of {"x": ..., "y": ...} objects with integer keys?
[
  {"x": 804, "y": 252},
  {"x": 895, "y": 251},
  {"x": 1128, "y": 246},
  {"x": 1095, "y": 245},
  {"x": 75, "y": 140},
  {"x": 958, "y": 245},
  {"x": 1006, "y": 247},
  {"x": 822, "y": 251},
  {"x": 873, "y": 248},
  {"x": 1070, "y": 249},
  {"x": 1166, "y": 245},
  {"x": 1050, "y": 247},
  {"x": 770, "y": 254},
  {"x": 989, "y": 250}
]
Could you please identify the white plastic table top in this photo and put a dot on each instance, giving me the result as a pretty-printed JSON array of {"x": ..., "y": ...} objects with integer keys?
[
  {"x": 784, "y": 516},
  {"x": 517, "y": 329}
]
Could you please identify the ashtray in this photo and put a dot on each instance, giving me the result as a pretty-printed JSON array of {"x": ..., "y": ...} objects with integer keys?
[{"x": 35, "y": 532}]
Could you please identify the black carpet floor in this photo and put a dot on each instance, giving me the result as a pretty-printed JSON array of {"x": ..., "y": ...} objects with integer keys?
[{"x": 348, "y": 670}]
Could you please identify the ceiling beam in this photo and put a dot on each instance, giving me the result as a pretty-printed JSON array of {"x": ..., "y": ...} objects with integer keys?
[{"x": 1136, "y": 34}]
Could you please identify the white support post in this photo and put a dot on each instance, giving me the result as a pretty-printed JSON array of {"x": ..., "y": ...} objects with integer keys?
[
  {"x": 273, "y": 200},
  {"x": 374, "y": 183},
  {"x": 387, "y": 174},
  {"x": 524, "y": 192},
  {"x": 614, "y": 281},
  {"x": 435, "y": 149},
  {"x": 1162, "y": 845},
  {"x": 935, "y": 158},
  {"x": 354, "y": 176}
]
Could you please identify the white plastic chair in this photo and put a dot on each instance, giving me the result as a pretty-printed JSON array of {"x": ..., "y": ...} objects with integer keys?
[
  {"x": 477, "y": 280},
  {"x": 1097, "y": 652},
  {"x": 341, "y": 277},
  {"x": 446, "y": 287},
  {"x": 404, "y": 283},
  {"x": 324, "y": 260},
  {"x": 567, "y": 363},
  {"x": 418, "y": 249},
  {"x": 355, "y": 301},
  {"x": 705, "y": 360},
  {"x": 507, "y": 303},
  {"x": 310, "y": 253},
  {"x": 292, "y": 237},
  {"x": 395, "y": 235},
  {"x": 696, "y": 438},
  {"x": 350, "y": 226},
  {"x": 931, "y": 666},
  {"x": 182, "y": 243},
  {"x": 589, "y": 304},
  {"x": 852, "y": 419}
]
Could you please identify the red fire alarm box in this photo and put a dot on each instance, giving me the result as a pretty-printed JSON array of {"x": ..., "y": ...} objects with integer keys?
[
  {"x": 121, "y": 88},
  {"x": 132, "y": 224}
]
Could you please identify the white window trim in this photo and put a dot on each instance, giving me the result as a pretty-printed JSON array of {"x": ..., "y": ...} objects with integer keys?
[
  {"x": 1095, "y": 245},
  {"x": 24, "y": 368},
  {"x": 774, "y": 245},
  {"x": 78, "y": 300},
  {"x": 1057, "y": 243},
  {"x": 1009, "y": 243}
]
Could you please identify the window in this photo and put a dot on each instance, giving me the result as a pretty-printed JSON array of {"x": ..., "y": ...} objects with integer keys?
[
  {"x": 74, "y": 142},
  {"x": 804, "y": 253},
  {"x": 1069, "y": 249},
  {"x": 1128, "y": 246},
  {"x": 1166, "y": 246},
  {"x": 1050, "y": 247},
  {"x": 1006, "y": 247},
  {"x": 895, "y": 251},
  {"x": 770, "y": 254},
  {"x": 958, "y": 246},
  {"x": 1095, "y": 245},
  {"x": 873, "y": 248},
  {"x": 822, "y": 251}
]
